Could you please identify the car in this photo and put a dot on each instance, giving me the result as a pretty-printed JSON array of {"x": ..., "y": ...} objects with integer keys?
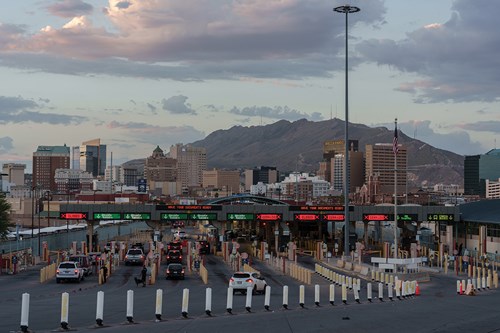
[
  {"x": 135, "y": 256},
  {"x": 95, "y": 258},
  {"x": 178, "y": 224},
  {"x": 137, "y": 245},
  {"x": 181, "y": 234},
  {"x": 174, "y": 256},
  {"x": 203, "y": 247},
  {"x": 174, "y": 271},
  {"x": 69, "y": 270},
  {"x": 84, "y": 262},
  {"x": 240, "y": 281},
  {"x": 107, "y": 247},
  {"x": 174, "y": 245}
]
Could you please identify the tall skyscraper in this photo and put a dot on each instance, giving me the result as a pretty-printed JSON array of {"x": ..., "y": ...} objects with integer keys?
[
  {"x": 330, "y": 149},
  {"x": 46, "y": 160},
  {"x": 264, "y": 174},
  {"x": 91, "y": 157},
  {"x": 191, "y": 162},
  {"x": 380, "y": 163},
  {"x": 478, "y": 169}
]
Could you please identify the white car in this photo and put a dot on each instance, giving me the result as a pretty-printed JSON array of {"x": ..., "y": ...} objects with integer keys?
[
  {"x": 69, "y": 270},
  {"x": 240, "y": 281},
  {"x": 181, "y": 234}
]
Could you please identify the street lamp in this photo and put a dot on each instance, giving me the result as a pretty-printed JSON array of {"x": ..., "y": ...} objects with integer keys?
[{"x": 346, "y": 10}]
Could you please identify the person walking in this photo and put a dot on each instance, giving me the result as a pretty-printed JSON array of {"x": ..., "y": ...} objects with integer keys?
[{"x": 144, "y": 272}]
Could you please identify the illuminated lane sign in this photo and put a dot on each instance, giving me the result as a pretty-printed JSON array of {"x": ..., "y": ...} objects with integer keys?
[
  {"x": 407, "y": 217},
  {"x": 107, "y": 216},
  {"x": 269, "y": 217},
  {"x": 333, "y": 217},
  {"x": 440, "y": 217},
  {"x": 137, "y": 216},
  {"x": 203, "y": 216},
  {"x": 73, "y": 216},
  {"x": 315, "y": 208},
  {"x": 306, "y": 217},
  {"x": 173, "y": 216},
  {"x": 240, "y": 217},
  {"x": 376, "y": 217},
  {"x": 188, "y": 207}
]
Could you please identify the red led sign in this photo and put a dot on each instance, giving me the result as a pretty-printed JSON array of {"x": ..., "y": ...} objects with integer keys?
[
  {"x": 306, "y": 217},
  {"x": 376, "y": 217},
  {"x": 333, "y": 217},
  {"x": 269, "y": 217},
  {"x": 73, "y": 216}
]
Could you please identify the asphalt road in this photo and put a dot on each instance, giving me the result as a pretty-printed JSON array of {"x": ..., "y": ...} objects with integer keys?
[{"x": 438, "y": 309}]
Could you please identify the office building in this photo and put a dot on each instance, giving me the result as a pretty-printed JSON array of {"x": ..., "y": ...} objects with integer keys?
[
  {"x": 478, "y": 169},
  {"x": 69, "y": 181},
  {"x": 90, "y": 156},
  {"x": 191, "y": 162},
  {"x": 356, "y": 168},
  {"x": 379, "y": 162},
  {"x": 227, "y": 181},
  {"x": 46, "y": 160},
  {"x": 264, "y": 174},
  {"x": 330, "y": 149}
]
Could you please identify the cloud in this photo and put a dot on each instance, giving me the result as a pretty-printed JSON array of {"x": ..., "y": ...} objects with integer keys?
[
  {"x": 457, "y": 141},
  {"x": 69, "y": 8},
  {"x": 177, "y": 105},
  {"x": 17, "y": 110},
  {"x": 492, "y": 126},
  {"x": 6, "y": 144},
  {"x": 454, "y": 59},
  {"x": 278, "y": 112},
  {"x": 151, "y": 107},
  {"x": 157, "y": 134},
  {"x": 189, "y": 41}
]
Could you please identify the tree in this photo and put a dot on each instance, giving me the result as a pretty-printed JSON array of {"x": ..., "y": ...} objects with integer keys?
[{"x": 4, "y": 217}]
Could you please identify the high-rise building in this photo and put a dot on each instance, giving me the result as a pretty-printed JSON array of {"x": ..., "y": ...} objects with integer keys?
[
  {"x": 380, "y": 163},
  {"x": 91, "y": 157},
  {"x": 478, "y": 169},
  {"x": 356, "y": 168},
  {"x": 330, "y": 149},
  {"x": 46, "y": 160},
  {"x": 191, "y": 162},
  {"x": 225, "y": 180},
  {"x": 159, "y": 167},
  {"x": 70, "y": 180},
  {"x": 14, "y": 173},
  {"x": 264, "y": 174}
]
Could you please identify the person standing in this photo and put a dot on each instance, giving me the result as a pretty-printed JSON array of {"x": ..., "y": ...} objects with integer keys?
[{"x": 144, "y": 273}]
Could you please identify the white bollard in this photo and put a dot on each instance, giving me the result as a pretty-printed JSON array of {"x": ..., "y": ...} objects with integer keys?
[
  {"x": 25, "y": 312},
  {"x": 267, "y": 298},
  {"x": 302, "y": 291},
  {"x": 483, "y": 281},
  {"x": 389, "y": 291},
  {"x": 130, "y": 306},
  {"x": 332, "y": 294},
  {"x": 398, "y": 288},
  {"x": 458, "y": 287},
  {"x": 369, "y": 291},
  {"x": 356, "y": 293},
  {"x": 349, "y": 282},
  {"x": 64, "y": 310},
  {"x": 316, "y": 295},
  {"x": 381, "y": 291},
  {"x": 344, "y": 293},
  {"x": 208, "y": 301},
  {"x": 185, "y": 302},
  {"x": 159, "y": 304},
  {"x": 248, "y": 303},
  {"x": 99, "y": 312},
  {"x": 285, "y": 297},
  {"x": 229, "y": 301}
]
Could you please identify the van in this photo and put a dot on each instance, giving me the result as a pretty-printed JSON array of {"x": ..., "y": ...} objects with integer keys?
[{"x": 84, "y": 262}]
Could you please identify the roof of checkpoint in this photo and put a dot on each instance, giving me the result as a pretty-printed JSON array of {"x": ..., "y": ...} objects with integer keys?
[
  {"x": 484, "y": 211},
  {"x": 245, "y": 199}
]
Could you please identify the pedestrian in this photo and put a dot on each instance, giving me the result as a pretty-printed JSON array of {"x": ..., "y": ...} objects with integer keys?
[
  {"x": 144, "y": 272},
  {"x": 104, "y": 273}
]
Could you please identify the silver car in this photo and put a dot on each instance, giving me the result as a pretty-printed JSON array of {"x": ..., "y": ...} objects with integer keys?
[
  {"x": 69, "y": 270},
  {"x": 240, "y": 281}
]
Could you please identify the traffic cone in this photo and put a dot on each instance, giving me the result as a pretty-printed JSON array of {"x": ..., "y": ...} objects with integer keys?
[{"x": 417, "y": 290}]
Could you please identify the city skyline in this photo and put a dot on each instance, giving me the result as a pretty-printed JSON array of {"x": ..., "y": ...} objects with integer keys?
[{"x": 138, "y": 74}]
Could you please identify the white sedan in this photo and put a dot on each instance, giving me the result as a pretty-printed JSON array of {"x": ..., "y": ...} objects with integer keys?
[{"x": 240, "y": 281}]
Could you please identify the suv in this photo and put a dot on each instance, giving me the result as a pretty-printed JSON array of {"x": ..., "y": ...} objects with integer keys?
[
  {"x": 69, "y": 270},
  {"x": 174, "y": 256},
  {"x": 84, "y": 262},
  {"x": 240, "y": 281},
  {"x": 135, "y": 256},
  {"x": 174, "y": 271},
  {"x": 174, "y": 245},
  {"x": 203, "y": 247}
]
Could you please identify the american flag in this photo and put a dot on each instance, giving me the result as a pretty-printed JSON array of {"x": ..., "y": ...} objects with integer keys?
[{"x": 395, "y": 148}]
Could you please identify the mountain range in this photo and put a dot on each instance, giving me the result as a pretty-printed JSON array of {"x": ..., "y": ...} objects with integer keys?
[{"x": 297, "y": 146}]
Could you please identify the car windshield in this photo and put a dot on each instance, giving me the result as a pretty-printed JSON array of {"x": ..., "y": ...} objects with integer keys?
[
  {"x": 241, "y": 275},
  {"x": 173, "y": 253},
  {"x": 135, "y": 252},
  {"x": 67, "y": 265},
  {"x": 175, "y": 266}
]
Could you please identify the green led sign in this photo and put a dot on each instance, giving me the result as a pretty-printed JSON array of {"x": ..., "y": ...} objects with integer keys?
[
  {"x": 206, "y": 216},
  {"x": 107, "y": 216},
  {"x": 173, "y": 216},
  {"x": 137, "y": 216},
  {"x": 240, "y": 217},
  {"x": 407, "y": 217},
  {"x": 440, "y": 217}
]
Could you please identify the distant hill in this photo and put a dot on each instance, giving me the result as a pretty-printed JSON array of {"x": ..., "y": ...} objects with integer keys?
[{"x": 297, "y": 146}]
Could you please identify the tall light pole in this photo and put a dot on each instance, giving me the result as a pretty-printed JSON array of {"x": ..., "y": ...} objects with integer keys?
[{"x": 346, "y": 10}]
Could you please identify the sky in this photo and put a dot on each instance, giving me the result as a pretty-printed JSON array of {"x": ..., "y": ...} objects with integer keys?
[{"x": 142, "y": 73}]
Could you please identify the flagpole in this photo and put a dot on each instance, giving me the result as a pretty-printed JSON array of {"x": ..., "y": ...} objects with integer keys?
[{"x": 395, "y": 151}]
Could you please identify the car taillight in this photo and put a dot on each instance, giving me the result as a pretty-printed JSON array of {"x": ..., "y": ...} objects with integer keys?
[
  {"x": 126, "y": 257},
  {"x": 180, "y": 257},
  {"x": 76, "y": 271},
  {"x": 249, "y": 280},
  {"x": 231, "y": 280},
  {"x": 168, "y": 271},
  {"x": 183, "y": 271},
  {"x": 58, "y": 271}
]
